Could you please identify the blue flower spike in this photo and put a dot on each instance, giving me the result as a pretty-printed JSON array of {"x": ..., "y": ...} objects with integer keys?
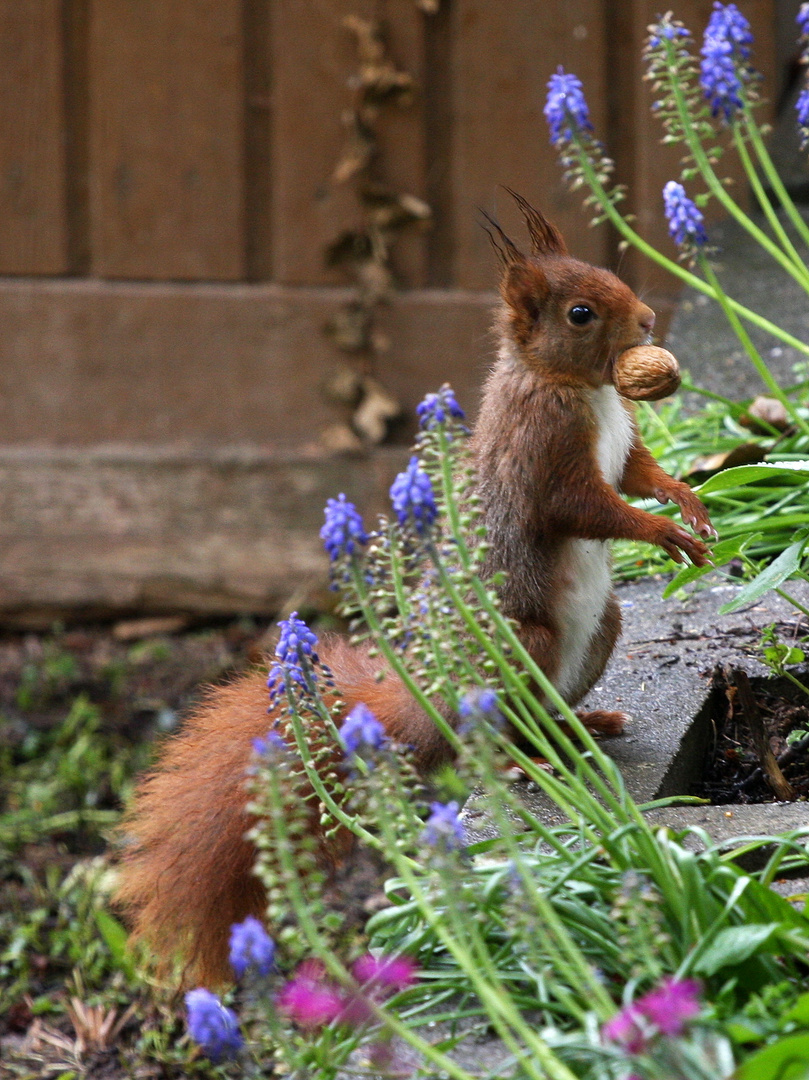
[
  {"x": 250, "y": 947},
  {"x": 685, "y": 220},
  {"x": 438, "y": 408},
  {"x": 566, "y": 106},
  {"x": 725, "y": 60},
  {"x": 343, "y": 533},
  {"x": 211, "y": 1025},
  {"x": 413, "y": 500},
  {"x": 361, "y": 731}
]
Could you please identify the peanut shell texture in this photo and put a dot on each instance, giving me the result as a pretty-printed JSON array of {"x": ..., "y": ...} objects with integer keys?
[{"x": 646, "y": 373}]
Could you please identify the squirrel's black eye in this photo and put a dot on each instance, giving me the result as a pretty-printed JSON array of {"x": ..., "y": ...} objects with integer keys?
[{"x": 581, "y": 314}]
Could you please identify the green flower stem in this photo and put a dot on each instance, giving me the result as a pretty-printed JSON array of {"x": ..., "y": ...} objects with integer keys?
[
  {"x": 497, "y": 1002},
  {"x": 489, "y": 646},
  {"x": 766, "y": 205},
  {"x": 321, "y": 948},
  {"x": 674, "y": 268},
  {"x": 790, "y": 599},
  {"x": 747, "y": 344},
  {"x": 715, "y": 185},
  {"x": 394, "y": 659},
  {"x": 771, "y": 173},
  {"x": 321, "y": 789},
  {"x": 570, "y": 960}
]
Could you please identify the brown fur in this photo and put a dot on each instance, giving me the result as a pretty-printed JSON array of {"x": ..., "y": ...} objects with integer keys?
[{"x": 185, "y": 873}]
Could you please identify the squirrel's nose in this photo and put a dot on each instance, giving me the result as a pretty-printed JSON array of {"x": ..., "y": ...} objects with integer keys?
[{"x": 646, "y": 318}]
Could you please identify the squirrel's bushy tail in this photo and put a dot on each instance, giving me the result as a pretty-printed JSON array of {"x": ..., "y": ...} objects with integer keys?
[{"x": 186, "y": 867}]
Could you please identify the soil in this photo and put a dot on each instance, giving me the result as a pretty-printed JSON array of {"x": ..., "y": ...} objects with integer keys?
[{"x": 761, "y": 740}]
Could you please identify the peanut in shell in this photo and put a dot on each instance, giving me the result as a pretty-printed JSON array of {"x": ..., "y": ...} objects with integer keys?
[{"x": 646, "y": 373}]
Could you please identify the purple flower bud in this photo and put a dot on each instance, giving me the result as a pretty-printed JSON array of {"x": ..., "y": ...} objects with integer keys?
[
  {"x": 443, "y": 829},
  {"x": 565, "y": 107},
  {"x": 250, "y": 947},
  {"x": 210, "y": 1024},
  {"x": 361, "y": 729},
  {"x": 725, "y": 53},
  {"x": 343, "y": 532},
  {"x": 685, "y": 220},
  {"x": 670, "y": 1005},
  {"x": 413, "y": 499},
  {"x": 436, "y": 408}
]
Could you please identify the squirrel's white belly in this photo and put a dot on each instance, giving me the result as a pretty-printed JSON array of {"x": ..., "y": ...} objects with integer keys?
[
  {"x": 588, "y": 584},
  {"x": 588, "y": 563}
]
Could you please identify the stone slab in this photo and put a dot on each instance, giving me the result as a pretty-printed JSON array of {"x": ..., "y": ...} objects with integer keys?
[{"x": 660, "y": 674}]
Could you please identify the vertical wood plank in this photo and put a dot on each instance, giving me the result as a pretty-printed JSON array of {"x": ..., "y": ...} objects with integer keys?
[
  {"x": 258, "y": 139},
  {"x": 33, "y": 233},
  {"x": 502, "y": 56},
  {"x": 643, "y": 163},
  {"x": 167, "y": 139},
  {"x": 314, "y": 58}
]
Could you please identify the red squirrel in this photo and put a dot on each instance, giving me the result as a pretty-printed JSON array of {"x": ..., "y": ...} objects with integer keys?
[{"x": 553, "y": 445}]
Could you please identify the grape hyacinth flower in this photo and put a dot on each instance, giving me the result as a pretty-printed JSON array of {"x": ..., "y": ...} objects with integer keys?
[
  {"x": 250, "y": 947},
  {"x": 435, "y": 409},
  {"x": 802, "y": 109},
  {"x": 724, "y": 67},
  {"x": 270, "y": 746},
  {"x": 479, "y": 705},
  {"x": 802, "y": 19},
  {"x": 296, "y": 659},
  {"x": 413, "y": 499},
  {"x": 443, "y": 829},
  {"x": 566, "y": 106},
  {"x": 213, "y": 1026},
  {"x": 343, "y": 532},
  {"x": 361, "y": 729},
  {"x": 685, "y": 220},
  {"x": 309, "y": 1000}
]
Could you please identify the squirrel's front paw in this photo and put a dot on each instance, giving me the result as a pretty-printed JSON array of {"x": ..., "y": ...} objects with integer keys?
[{"x": 675, "y": 540}]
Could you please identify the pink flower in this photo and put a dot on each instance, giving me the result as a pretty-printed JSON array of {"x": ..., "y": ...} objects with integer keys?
[
  {"x": 671, "y": 1004},
  {"x": 310, "y": 1000},
  {"x": 667, "y": 1007},
  {"x": 389, "y": 973},
  {"x": 626, "y": 1029}
]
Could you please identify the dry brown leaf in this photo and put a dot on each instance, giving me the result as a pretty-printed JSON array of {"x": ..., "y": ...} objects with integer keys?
[
  {"x": 743, "y": 454},
  {"x": 769, "y": 410},
  {"x": 377, "y": 408}
]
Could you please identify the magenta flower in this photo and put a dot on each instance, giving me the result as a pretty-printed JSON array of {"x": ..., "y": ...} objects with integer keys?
[
  {"x": 664, "y": 1010},
  {"x": 671, "y": 1004},
  {"x": 310, "y": 1000},
  {"x": 626, "y": 1029},
  {"x": 388, "y": 973}
]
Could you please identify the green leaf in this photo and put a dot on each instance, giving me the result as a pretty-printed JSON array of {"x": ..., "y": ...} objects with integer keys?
[
  {"x": 733, "y": 945},
  {"x": 721, "y": 553},
  {"x": 787, "y": 1059},
  {"x": 798, "y": 1013},
  {"x": 779, "y": 570},
  {"x": 115, "y": 938},
  {"x": 741, "y": 475}
]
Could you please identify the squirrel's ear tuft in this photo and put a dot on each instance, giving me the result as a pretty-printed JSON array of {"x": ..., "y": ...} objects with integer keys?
[
  {"x": 545, "y": 237},
  {"x": 524, "y": 288},
  {"x": 506, "y": 250}
]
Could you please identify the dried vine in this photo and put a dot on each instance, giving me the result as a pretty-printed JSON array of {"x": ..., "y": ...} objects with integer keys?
[{"x": 364, "y": 252}]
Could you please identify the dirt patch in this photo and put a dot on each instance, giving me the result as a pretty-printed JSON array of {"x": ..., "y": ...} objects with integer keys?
[{"x": 761, "y": 740}]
